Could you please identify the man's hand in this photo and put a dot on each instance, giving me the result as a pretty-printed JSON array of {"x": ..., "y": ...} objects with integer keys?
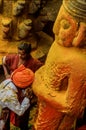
[{"x": 29, "y": 93}]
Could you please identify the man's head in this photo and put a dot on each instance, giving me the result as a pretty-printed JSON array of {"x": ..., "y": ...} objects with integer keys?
[
  {"x": 24, "y": 50},
  {"x": 22, "y": 77}
]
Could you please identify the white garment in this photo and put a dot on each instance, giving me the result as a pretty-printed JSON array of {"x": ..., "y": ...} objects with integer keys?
[{"x": 8, "y": 98}]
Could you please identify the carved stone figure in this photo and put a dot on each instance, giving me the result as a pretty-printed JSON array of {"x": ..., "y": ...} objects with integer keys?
[
  {"x": 6, "y": 28},
  {"x": 24, "y": 28},
  {"x": 34, "y": 6},
  {"x": 18, "y": 7},
  {"x": 60, "y": 84}
]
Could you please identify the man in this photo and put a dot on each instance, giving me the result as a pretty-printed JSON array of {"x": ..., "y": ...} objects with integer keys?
[
  {"x": 21, "y": 78},
  {"x": 10, "y": 63}
]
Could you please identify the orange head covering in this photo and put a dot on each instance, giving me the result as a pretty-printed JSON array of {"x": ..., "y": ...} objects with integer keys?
[{"x": 22, "y": 76}]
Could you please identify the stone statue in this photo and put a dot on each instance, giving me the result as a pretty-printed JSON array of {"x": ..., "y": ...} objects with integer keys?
[
  {"x": 60, "y": 84},
  {"x": 6, "y": 28},
  {"x": 24, "y": 28},
  {"x": 18, "y": 7}
]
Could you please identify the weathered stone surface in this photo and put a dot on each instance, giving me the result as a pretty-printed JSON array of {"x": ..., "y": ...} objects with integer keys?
[{"x": 60, "y": 84}]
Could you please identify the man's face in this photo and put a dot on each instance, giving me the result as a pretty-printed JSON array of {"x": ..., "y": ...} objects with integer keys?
[{"x": 22, "y": 54}]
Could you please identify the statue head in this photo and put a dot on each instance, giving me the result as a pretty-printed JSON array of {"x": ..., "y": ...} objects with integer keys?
[{"x": 70, "y": 25}]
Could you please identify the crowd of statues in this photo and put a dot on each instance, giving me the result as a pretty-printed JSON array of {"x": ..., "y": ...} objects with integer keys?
[
  {"x": 21, "y": 18},
  {"x": 24, "y": 20}
]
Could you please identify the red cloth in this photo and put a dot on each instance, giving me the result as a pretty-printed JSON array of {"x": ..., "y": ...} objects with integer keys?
[
  {"x": 12, "y": 118},
  {"x": 82, "y": 127},
  {"x": 12, "y": 61}
]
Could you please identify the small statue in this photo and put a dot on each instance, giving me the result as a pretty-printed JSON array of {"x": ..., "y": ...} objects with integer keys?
[
  {"x": 6, "y": 28},
  {"x": 18, "y": 7},
  {"x": 24, "y": 28}
]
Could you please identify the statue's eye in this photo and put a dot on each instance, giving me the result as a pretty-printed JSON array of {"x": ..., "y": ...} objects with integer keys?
[{"x": 65, "y": 24}]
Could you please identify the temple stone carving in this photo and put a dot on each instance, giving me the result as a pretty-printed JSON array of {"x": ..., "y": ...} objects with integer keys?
[
  {"x": 27, "y": 20},
  {"x": 60, "y": 84}
]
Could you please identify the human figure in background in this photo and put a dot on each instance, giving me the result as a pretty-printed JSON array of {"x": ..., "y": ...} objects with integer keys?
[
  {"x": 20, "y": 79},
  {"x": 10, "y": 63}
]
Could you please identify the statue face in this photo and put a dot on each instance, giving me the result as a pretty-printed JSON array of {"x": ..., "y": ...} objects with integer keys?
[{"x": 68, "y": 31}]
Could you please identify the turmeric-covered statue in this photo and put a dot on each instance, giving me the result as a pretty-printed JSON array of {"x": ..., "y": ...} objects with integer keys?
[{"x": 60, "y": 84}]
